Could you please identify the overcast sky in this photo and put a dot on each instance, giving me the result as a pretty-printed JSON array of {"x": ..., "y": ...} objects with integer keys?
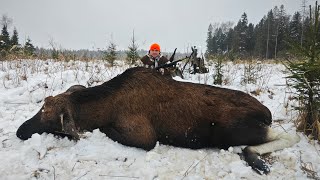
[{"x": 90, "y": 24}]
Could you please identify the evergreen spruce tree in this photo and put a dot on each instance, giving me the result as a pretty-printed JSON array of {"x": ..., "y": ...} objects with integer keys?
[
  {"x": 220, "y": 40},
  {"x": 239, "y": 43},
  {"x": 229, "y": 38},
  {"x": 218, "y": 71},
  {"x": 210, "y": 48},
  {"x": 250, "y": 39},
  {"x": 295, "y": 27},
  {"x": 305, "y": 77},
  {"x": 260, "y": 39},
  {"x": 14, "y": 40},
  {"x": 236, "y": 40},
  {"x": 132, "y": 53},
  {"x": 305, "y": 29},
  {"x": 111, "y": 54},
  {"x": 270, "y": 27},
  {"x": 243, "y": 34},
  {"x": 228, "y": 42},
  {"x": 5, "y": 38},
  {"x": 281, "y": 30},
  {"x": 29, "y": 49}
]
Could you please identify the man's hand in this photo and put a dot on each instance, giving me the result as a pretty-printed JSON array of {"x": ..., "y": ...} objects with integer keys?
[{"x": 161, "y": 70}]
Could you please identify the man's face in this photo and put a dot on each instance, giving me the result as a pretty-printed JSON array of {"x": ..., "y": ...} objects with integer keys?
[{"x": 154, "y": 53}]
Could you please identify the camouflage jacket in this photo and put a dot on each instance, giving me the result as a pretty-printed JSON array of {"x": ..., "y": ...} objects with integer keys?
[{"x": 149, "y": 61}]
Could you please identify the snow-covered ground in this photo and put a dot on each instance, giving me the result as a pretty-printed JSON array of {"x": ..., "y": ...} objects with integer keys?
[{"x": 24, "y": 84}]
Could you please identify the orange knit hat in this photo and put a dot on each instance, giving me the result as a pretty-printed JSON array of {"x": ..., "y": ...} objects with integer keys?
[{"x": 155, "y": 46}]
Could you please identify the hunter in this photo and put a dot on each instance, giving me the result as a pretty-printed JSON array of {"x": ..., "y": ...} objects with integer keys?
[{"x": 154, "y": 58}]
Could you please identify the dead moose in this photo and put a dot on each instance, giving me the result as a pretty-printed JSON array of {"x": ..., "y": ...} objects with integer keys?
[{"x": 140, "y": 107}]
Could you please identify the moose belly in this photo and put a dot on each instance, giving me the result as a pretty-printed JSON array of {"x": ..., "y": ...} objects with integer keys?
[{"x": 189, "y": 138}]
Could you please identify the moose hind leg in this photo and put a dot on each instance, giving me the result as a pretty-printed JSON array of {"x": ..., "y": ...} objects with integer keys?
[
  {"x": 274, "y": 141},
  {"x": 133, "y": 131}
]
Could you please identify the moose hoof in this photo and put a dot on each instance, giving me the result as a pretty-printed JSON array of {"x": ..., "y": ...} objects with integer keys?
[
  {"x": 255, "y": 162},
  {"x": 260, "y": 166}
]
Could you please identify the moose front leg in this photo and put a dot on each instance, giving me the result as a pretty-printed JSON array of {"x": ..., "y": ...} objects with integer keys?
[
  {"x": 68, "y": 126},
  {"x": 133, "y": 131}
]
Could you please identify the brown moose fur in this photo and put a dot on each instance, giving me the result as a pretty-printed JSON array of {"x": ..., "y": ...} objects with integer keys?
[{"x": 140, "y": 107}]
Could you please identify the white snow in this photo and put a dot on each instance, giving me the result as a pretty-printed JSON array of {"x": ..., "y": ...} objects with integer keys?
[{"x": 25, "y": 83}]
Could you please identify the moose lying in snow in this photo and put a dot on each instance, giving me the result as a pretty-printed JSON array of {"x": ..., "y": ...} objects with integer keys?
[{"x": 140, "y": 107}]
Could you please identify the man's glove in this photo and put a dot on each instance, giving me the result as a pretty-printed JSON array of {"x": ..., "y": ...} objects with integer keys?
[{"x": 161, "y": 70}]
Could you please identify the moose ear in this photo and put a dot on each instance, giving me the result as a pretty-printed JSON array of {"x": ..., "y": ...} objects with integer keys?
[
  {"x": 74, "y": 88},
  {"x": 48, "y": 99}
]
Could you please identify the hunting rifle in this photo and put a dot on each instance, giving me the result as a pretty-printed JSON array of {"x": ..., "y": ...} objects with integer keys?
[
  {"x": 196, "y": 63},
  {"x": 174, "y": 63}
]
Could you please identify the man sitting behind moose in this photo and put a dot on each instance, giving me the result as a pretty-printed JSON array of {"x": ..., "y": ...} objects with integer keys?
[{"x": 154, "y": 58}]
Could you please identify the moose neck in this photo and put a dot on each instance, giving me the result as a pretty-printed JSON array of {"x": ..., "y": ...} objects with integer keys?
[{"x": 88, "y": 106}]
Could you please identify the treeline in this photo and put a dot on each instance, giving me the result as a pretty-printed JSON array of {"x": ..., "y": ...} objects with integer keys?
[
  {"x": 10, "y": 48},
  {"x": 81, "y": 54},
  {"x": 269, "y": 39}
]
